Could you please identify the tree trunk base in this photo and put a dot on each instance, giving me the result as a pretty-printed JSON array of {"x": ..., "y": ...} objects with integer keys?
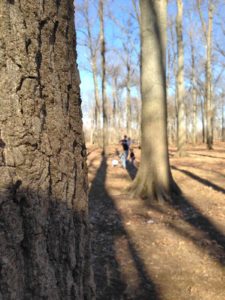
[{"x": 153, "y": 192}]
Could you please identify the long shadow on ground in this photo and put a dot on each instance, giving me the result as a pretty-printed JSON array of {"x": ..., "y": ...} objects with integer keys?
[
  {"x": 131, "y": 169},
  {"x": 207, "y": 237},
  {"x": 201, "y": 180},
  {"x": 107, "y": 227},
  {"x": 206, "y": 155}
]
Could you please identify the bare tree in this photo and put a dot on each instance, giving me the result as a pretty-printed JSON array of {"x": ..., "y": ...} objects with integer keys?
[
  {"x": 207, "y": 30},
  {"x": 154, "y": 179},
  {"x": 181, "y": 136},
  {"x": 92, "y": 43},
  {"x": 194, "y": 88},
  {"x": 103, "y": 69}
]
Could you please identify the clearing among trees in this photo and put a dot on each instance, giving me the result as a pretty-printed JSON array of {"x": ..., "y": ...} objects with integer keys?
[{"x": 143, "y": 251}]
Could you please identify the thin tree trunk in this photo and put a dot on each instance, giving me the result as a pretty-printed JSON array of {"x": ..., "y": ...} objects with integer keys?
[
  {"x": 128, "y": 104},
  {"x": 194, "y": 92},
  {"x": 44, "y": 240},
  {"x": 180, "y": 81},
  {"x": 203, "y": 120},
  {"x": 223, "y": 119},
  {"x": 92, "y": 49},
  {"x": 97, "y": 101},
  {"x": 209, "y": 111},
  {"x": 195, "y": 105},
  {"x": 114, "y": 102},
  {"x": 209, "y": 105},
  {"x": 104, "y": 98}
]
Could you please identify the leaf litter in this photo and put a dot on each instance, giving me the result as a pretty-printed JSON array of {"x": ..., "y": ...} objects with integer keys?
[{"x": 142, "y": 251}]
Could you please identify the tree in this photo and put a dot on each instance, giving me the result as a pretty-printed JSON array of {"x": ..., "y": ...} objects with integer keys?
[
  {"x": 209, "y": 104},
  {"x": 180, "y": 81},
  {"x": 114, "y": 74},
  {"x": 103, "y": 69},
  {"x": 44, "y": 239},
  {"x": 154, "y": 179},
  {"x": 92, "y": 43},
  {"x": 194, "y": 88},
  {"x": 223, "y": 121},
  {"x": 207, "y": 30}
]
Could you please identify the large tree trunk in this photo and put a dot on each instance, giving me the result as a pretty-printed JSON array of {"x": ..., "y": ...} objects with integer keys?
[
  {"x": 44, "y": 236},
  {"x": 181, "y": 136},
  {"x": 154, "y": 179}
]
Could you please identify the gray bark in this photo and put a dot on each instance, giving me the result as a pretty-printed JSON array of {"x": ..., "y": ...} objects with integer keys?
[
  {"x": 154, "y": 179},
  {"x": 44, "y": 235}
]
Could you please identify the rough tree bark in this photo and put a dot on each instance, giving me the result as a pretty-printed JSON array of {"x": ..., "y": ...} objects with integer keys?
[
  {"x": 44, "y": 236},
  {"x": 154, "y": 179}
]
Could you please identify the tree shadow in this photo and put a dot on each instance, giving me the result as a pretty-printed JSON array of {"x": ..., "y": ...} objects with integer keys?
[
  {"x": 215, "y": 240},
  {"x": 201, "y": 180},
  {"x": 131, "y": 169},
  {"x": 207, "y": 170},
  {"x": 202, "y": 232},
  {"x": 107, "y": 227},
  {"x": 206, "y": 155},
  {"x": 211, "y": 239}
]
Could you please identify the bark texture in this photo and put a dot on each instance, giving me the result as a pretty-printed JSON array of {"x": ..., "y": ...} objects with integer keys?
[
  {"x": 154, "y": 179},
  {"x": 44, "y": 236}
]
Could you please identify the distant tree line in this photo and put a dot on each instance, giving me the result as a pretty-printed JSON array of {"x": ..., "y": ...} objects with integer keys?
[{"x": 194, "y": 72}]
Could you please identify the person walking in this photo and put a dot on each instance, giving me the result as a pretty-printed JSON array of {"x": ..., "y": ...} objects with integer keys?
[{"x": 124, "y": 143}]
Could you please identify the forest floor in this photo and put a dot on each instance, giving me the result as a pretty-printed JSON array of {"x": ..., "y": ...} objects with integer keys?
[{"x": 161, "y": 252}]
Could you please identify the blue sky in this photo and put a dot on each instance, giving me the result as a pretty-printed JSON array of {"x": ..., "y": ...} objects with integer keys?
[{"x": 123, "y": 12}]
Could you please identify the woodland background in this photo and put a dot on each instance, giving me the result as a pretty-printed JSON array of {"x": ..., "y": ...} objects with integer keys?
[{"x": 195, "y": 66}]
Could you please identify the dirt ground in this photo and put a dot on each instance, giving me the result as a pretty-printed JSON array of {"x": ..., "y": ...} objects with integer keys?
[{"x": 147, "y": 251}]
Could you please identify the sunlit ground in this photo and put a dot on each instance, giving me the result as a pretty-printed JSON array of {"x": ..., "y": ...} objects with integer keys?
[{"x": 143, "y": 251}]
